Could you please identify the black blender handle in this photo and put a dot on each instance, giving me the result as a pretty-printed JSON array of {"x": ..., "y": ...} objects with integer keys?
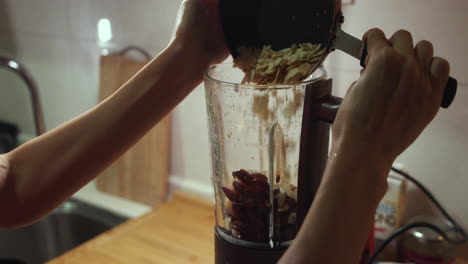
[
  {"x": 364, "y": 54},
  {"x": 450, "y": 88}
]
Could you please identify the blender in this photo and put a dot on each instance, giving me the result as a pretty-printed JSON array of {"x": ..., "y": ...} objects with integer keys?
[{"x": 264, "y": 172}]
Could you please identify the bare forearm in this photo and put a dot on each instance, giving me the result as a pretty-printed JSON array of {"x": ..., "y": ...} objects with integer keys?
[
  {"x": 338, "y": 224},
  {"x": 45, "y": 171}
]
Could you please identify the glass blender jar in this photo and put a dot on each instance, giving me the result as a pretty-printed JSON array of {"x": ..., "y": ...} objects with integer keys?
[{"x": 255, "y": 140}]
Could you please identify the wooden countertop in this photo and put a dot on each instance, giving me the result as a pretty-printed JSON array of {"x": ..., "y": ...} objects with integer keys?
[{"x": 178, "y": 231}]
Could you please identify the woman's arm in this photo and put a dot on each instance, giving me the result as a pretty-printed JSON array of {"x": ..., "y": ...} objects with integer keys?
[
  {"x": 398, "y": 94},
  {"x": 39, "y": 175},
  {"x": 338, "y": 224}
]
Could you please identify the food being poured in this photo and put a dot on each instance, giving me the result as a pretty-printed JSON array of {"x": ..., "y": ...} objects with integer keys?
[{"x": 287, "y": 66}]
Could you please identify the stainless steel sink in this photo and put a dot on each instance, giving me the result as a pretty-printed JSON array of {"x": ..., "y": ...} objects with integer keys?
[{"x": 73, "y": 223}]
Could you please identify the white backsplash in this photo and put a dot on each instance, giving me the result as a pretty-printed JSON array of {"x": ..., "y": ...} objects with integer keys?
[{"x": 57, "y": 41}]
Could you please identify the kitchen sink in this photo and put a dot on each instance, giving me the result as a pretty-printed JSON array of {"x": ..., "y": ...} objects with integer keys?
[{"x": 70, "y": 225}]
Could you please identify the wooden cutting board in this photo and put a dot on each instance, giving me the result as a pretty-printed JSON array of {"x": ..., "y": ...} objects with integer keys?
[{"x": 141, "y": 173}]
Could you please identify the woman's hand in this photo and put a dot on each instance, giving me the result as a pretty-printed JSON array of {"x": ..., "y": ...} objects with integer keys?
[
  {"x": 3, "y": 170},
  {"x": 397, "y": 96},
  {"x": 198, "y": 29}
]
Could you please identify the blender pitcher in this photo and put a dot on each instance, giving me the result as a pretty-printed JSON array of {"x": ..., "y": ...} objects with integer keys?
[{"x": 268, "y": 152}]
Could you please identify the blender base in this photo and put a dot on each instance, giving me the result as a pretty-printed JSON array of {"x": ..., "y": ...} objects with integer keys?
[{"x": 228, "y": 253}]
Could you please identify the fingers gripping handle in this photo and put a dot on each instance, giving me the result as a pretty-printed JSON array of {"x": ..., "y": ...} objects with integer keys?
[
  {"x": 358, "y": 49},
  {"x": 449, "y": 92},
  {"x": 363, "y": 54},
  {"x": 450, "y": 88}
]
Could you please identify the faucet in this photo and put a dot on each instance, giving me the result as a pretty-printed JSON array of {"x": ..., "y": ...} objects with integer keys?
[{"x": 32, "y": 87}]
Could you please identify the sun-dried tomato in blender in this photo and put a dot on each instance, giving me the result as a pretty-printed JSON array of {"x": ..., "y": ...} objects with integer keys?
[{"x": 249, "y": 208}]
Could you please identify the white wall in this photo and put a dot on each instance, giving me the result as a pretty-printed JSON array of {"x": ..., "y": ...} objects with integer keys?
[{"x": 57, "y": 41}]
